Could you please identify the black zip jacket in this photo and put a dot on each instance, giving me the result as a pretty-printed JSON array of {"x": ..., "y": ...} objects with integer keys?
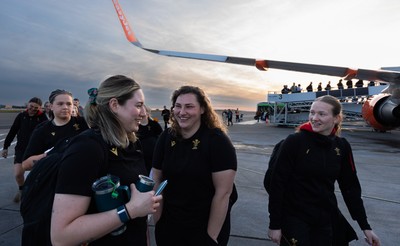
[{"x": 303, "y": 181}]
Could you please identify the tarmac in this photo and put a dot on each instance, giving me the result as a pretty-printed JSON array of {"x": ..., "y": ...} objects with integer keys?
[{"x": 376, "y": 157}]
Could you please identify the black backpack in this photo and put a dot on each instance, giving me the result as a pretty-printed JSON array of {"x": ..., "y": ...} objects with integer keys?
[
  {"x": 39, "y": 190},
  {"x": 271, "y": 166}
]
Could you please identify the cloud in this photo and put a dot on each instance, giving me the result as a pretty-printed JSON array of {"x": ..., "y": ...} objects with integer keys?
[{"x": 75, "y": 44}]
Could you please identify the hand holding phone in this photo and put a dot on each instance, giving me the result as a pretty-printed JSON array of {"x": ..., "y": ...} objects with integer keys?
[{"x": 161, "y": 187}]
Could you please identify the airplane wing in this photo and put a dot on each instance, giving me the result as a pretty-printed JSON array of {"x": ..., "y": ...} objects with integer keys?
[{"x": 392, "y": 77}]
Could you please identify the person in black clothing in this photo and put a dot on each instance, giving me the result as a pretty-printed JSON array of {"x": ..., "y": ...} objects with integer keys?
[
  {"x": 165, "y": 113},
  {"x": 309, "y": 88},
  {"x": 349, "y": 84},
  {"x": 340, "y": 85},
  {"x": 23, "y": 126},
  {"x": 319, "y": 87},
  {"x": 114, "y": 112},
  {"x": 285, "y": 89},
  {"x": 148, "y": 133},
  {"x": 199, "y": 161},
  {"x": 328, "y": 87},
  {"x": 359, "y": 83},
  {"x": 258, "y": 115},
  {"x": 230, "y": 117},
  {"x": 302, "y": 202},
  {"x": 47, "y": 134}
]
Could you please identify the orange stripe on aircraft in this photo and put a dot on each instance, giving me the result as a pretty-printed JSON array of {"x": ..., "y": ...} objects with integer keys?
[
  {"x": 124, "y": 22},
  {"x": 350, "y": 74},
  {"x": 262, "y": 65}
]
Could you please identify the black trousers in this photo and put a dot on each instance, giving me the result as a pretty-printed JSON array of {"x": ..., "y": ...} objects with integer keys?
[
  {"x": 167, "y": 233},
  {"x": 297, "y": 232}
]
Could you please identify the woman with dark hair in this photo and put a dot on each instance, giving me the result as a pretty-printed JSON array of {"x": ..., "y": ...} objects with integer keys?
[
  {"x": 199, "y": 161},
  {"x": 62, "y": 125},
  {"x": 23, "y": 126},
  {"x": 302, "y": 204},
  {"x": 114, "y": 112}
]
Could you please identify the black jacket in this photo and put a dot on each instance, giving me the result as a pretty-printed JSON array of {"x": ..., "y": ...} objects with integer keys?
[
  {"x": 148, "y": 136},
  {"x": 23, "y": 127},
  {"x": 303, "y": 182}
]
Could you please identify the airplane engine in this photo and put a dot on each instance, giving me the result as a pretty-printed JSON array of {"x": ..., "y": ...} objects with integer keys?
[{"x": 382, "y": 112}]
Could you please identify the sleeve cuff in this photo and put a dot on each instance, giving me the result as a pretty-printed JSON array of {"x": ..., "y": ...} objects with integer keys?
[
  {"x": 363, "y": 223},
  {"x": 275, "y": 226}
]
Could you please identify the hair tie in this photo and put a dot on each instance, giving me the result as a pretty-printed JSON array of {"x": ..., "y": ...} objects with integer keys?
[{"x": 92, "y": 95}]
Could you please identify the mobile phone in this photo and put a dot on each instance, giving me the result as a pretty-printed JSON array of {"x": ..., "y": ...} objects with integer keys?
[
  {"x": 47, "y": 151},
  {"x": 161, "y": 187}
]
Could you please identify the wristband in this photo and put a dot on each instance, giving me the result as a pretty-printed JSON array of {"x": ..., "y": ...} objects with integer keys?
[
  {"x": 127, "y": 212},
  {"x": 123, "y": 214}
]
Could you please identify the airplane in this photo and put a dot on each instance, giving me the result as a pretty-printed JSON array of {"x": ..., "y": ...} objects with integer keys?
[{"x": 381, "y": 111}]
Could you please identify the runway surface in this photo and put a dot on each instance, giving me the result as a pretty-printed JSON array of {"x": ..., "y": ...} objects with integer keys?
[{"x": 377, "y": 161}]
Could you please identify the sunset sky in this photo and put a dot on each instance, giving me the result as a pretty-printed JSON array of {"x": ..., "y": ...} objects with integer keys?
[{"x": 74, "y": 45}]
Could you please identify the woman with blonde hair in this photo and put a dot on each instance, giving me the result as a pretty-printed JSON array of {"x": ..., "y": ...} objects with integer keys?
[
  {"x": 302, "y": 205},
  {"x": 114, "y": 112}
]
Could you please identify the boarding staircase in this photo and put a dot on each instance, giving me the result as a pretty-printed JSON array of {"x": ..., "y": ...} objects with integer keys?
[{"x": 293, "y": 109}]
